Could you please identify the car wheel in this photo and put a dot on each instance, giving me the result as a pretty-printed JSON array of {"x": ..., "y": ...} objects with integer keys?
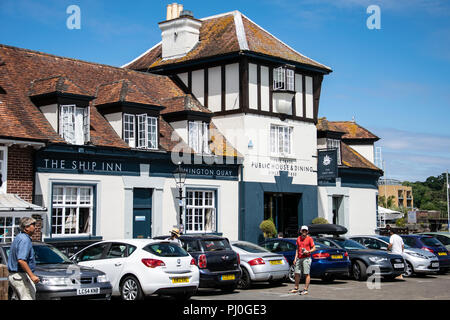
[
  {"x": 409, "y": 271},
  {"x": 244, "y": 282},
  {"x": 292, "y": 274},
  {"x": 229, "y": 289},
  {"x": 130, "y": 289},
  {"x": 359, "y": 271}
]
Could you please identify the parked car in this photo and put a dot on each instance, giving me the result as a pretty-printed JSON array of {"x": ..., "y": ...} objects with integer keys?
[
  {"x": 219, "y": 265},
  {"x": 443, "y": 237},
  {"x": 60, "y": 278},
  {"x": 389, "y": 265},
  {"x": 140, "y": 267},
  {"x": 327, "y": 263},
  {"x": 432, "y": 245},
  {"x": 417, "y": 260},
  {"x": 259, "y": 264}
]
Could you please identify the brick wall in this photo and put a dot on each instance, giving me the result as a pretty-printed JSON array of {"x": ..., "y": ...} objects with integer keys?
[
  {"x": 20, "y": 172},
  {"x": 21, "y": 178}
]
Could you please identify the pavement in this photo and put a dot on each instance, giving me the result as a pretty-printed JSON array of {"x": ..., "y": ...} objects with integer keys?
[{"x": 430, "y": 287}]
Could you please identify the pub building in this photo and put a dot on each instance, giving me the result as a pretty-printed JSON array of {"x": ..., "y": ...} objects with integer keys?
[
  {"x": 349, "y": 196},
  {"x": 102, "y": 146},
  {"x": 263, "y": 96}
]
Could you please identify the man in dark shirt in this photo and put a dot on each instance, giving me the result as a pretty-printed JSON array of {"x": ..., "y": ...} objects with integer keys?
[{"x": 22, "y": 263}]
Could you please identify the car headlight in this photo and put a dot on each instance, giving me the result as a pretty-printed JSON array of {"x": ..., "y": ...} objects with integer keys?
[
  {"x": 417, "y": 255},
  {"x": 377, "y": 259},
  {"x": 55, "y": 281},
  {"x": 102, "y": 278}
]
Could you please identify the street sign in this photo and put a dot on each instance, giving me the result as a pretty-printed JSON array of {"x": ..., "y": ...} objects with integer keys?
[{"x": 412, "y": 218}]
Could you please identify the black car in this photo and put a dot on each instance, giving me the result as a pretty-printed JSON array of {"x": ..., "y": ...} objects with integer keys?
[
  {"x": 389, "y": 265},
  {"x": 60, "y": 278},
  {"x": 219, "y": 265}
]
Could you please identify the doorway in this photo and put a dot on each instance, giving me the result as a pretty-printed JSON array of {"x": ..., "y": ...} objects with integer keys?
[
  {"x": 337, "y": 211},
  {"x": 142, "y": 213},
  {"x": 284, "y": 210}
]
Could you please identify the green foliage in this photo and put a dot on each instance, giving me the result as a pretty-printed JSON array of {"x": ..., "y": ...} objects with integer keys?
[
  {"x": 431, "y": 194},
  {"x": 320, "y": 220},
  {"x": 389, "y": 203},
  {"x": 268, "y": 228},
  {"x": 401, "y": 222}
]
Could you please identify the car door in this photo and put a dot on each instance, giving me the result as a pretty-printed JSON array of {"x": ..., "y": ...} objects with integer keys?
[{"x": 114, "y": 262}]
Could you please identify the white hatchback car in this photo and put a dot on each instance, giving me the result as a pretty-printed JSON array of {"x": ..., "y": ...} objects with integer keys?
[{"x": 140, "y": 267}]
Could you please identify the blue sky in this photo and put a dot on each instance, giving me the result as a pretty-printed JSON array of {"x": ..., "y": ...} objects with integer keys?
[{"x": 394, "y": 81}]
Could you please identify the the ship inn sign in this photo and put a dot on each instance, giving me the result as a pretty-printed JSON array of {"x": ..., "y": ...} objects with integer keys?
[
  {"x": 83, "y": 164},
  {"x": 327, "y": 168}
]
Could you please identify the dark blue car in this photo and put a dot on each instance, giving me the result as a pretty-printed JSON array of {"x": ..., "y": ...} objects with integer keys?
[
  {"x": 327, "y": 263},
  {"x": 432, "y": 245}
]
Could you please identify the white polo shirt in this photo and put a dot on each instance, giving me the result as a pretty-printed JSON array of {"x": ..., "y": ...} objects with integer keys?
[{"x": 397, "y": 243}]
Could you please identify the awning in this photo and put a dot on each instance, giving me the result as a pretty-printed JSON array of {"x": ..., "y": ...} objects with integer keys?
[
  {"x": 390, "y": 214},
  {"x": 13, "y": 203}
]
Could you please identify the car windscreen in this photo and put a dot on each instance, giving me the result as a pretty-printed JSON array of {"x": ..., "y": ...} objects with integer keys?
[
  {"x": 215, "y": 244},
  {"x": 46, "y": 255},
  {"x": 166, "y": 249},
  {"x": 349, "y": 244},
  {"x": 249, "y": 247},
  {"x": 430, "y": 241}
]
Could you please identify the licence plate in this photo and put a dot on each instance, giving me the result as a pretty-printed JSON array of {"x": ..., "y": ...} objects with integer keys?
[
  {"x": 276, "y": 262},
  {"x": 399, "y": 265},
  {"x": 228, "y": 277},
  {"x": 442, "y": 253},
  {"x": 435, "y": 265},
  {"x": 87, "y": 291},
  {"x": 180, "y": 280},
  {"x": 337, "y": 256}
]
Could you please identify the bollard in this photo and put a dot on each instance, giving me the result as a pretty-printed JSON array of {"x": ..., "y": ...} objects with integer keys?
[{"x": 3, "y": 282}]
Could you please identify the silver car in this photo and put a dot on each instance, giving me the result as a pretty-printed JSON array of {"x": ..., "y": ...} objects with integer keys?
[
  {"x": 417, "y": 260},
  {"x": 259, "y": 264}
]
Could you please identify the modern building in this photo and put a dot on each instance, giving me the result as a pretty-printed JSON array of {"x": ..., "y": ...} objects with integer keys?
[
  {"x": 263, "y": 96},
  {"x": 351, "y": 199},
  {"x": 402, "y": 196}
]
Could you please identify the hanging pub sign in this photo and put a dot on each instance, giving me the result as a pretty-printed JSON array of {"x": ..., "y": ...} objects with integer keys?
[{"x": 327, "y": 168}]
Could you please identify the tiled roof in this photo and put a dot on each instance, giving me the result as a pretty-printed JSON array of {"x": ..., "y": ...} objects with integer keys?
[
  {"x": 352, "y": 159},
  {"x": 223, "y": 34},
  {"x": 351, "y": 130},
  {"x": 122, "y": 91},
  {"x": 37, "y": 73},
  {"x": 55, "y": 84},
  {"x": 181, "y": 103}
]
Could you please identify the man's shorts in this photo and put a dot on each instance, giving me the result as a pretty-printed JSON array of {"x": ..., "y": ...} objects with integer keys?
[{"x": 303, "y": 266}]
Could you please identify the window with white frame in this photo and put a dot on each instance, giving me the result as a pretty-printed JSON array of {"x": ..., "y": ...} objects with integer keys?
[
  {"x": 3, "y": 168},
  {"x": 200, "y": 214},
  {"x": 280, "y": 140},
  {"x": 74, "y": 124},
  {"x": 9, "y": 228},
  {"x": 283, "y": 79},
  {"x": 335, "y": 144},
  {"x": 72, "y": 210},
  {"x": 199, "y": 136},
  {"x": 140, "y": 131}
]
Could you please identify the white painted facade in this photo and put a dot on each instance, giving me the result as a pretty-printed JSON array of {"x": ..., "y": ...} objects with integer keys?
[
  {"x": 244, "y": 130},
  {"x": 114, "y": 202},
  {"x": 179, "y": 36},
  {"x": 366, "y": 150},
  {"x": 357, "y": 210}
]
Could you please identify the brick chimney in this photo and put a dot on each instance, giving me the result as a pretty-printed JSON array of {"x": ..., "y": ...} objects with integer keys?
[{"x": 180, "y": 32}]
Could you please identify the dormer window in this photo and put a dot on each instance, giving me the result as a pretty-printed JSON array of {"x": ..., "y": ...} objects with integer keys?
[
  {"x": 74, "y": 124},
  {"x": 199, "y": 136},
  {"x": 283, "y": 79},
  {"x": 335, "y": 144},
  {"x": 140, "y": 131}
]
